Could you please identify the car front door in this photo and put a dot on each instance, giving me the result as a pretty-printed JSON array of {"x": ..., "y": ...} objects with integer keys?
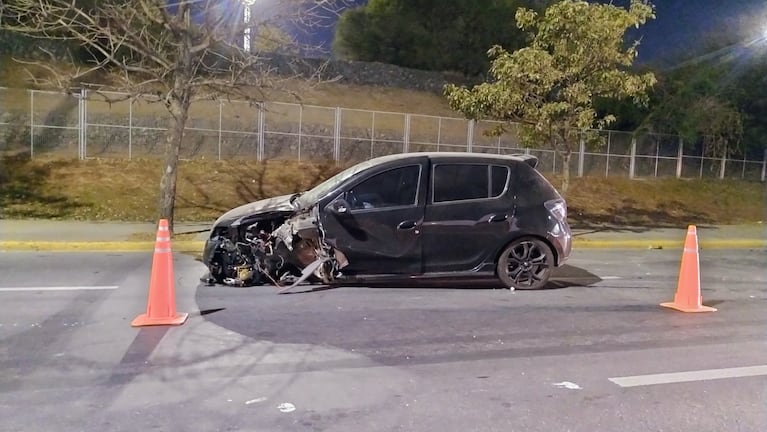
[
  {"x": 376, "y": 221},
  {"x": 468, "y": 213}
]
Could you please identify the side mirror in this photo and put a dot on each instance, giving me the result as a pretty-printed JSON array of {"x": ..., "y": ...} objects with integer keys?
[{"x": 339, "y": 207}]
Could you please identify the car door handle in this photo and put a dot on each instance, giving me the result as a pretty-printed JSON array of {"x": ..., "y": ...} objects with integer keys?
[
  {"x": 407, "y": 225},
  {"x": 498, "y": 218}
]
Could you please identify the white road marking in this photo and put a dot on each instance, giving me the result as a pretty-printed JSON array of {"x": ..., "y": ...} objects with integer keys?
[
  {"x": 59, "y": 288},
  {"x": 700, "y": 375},
  {"x": 610, "y": 277}
]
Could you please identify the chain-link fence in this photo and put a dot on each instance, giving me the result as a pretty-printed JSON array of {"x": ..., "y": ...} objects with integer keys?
[{"x": 84, "y": 125}]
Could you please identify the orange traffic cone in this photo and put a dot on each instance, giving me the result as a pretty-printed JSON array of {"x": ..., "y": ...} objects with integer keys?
[
  {"x": 688, "y": 297},
  {"x": 161, "y": 305}
]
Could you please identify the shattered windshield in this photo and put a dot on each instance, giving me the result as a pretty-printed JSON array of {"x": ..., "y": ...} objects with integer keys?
[{"x": 316, "y": 193}]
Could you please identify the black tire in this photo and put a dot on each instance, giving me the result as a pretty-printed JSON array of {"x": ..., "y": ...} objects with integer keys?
[{"x": 526, "y": 263}]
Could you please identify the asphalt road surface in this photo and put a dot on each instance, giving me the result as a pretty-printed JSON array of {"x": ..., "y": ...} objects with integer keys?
[{"x": 594, "y": 352}]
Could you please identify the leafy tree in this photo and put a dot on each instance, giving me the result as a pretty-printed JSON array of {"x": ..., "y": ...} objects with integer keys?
[
  {"x": 429, "y": 34},
  {"x": 576, "y": 55},
  {"x": 750, "y": 97},
  {"x": 716, "y": 94},
  {"x": 177, "y": 51},
  {"x": 692, "y": 102}
]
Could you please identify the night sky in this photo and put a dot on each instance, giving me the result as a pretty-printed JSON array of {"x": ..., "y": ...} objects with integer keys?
[
  {"x": 680, "y": 25},
  {"x": 683, "y": 25}
]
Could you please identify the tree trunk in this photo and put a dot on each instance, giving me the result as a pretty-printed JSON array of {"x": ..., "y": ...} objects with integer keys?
[
  {"x": 566, "y": 171},
  {"x": 166, "y": 205}
]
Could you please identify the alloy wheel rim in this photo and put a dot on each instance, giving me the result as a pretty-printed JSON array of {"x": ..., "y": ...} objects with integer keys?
[{"x": 527, "y": 264}]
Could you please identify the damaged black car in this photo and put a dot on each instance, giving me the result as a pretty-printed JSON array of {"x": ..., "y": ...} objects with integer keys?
[{"x": 400, "y": 217}]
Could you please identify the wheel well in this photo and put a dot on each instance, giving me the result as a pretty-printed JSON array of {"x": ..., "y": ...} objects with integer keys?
[{"x": 528, "y": 236}]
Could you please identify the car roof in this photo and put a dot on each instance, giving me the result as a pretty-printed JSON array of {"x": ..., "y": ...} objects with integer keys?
[{"x": 526, "y": 158}]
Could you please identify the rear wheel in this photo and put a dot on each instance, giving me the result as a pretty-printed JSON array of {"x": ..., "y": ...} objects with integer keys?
[{"x": 526, "y": 263}]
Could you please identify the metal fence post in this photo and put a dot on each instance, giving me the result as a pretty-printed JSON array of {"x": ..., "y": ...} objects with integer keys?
[
  {"x": 581, "y": 154},
  {"x": 764, "y": 165},
  {"x": 406, "y": 135},
  {"x": 439, "y": 131},
  {"x": 31, "y": 124},
  {"x": 607, "y": 161},
  {"x": 632, "y": 161},
  {"x": 337, "y": 136},
  {"x": 723, "y": 165},
  {"x": 372, "y": 134},
  {"x": 657, "y": 155},
  {"x": 702, "y": 159},
  {"x": 79, "y": 97},
  {"x": 680, "y": 158},
  {"x": 554, "y": 162},
  {"x": 469, "y": 136},
  {"x": 220, "y": 125},
  {"x": 260, "y": 151},
  {"x": 83, "y": 123},
  {"x": 130, "y": 128},
  {"x": 743, "y": 171},
  {"x": 300, "y": 123}
]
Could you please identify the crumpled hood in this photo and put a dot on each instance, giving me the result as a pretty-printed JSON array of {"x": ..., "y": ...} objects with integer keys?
[{"x": 275, "y": 204}]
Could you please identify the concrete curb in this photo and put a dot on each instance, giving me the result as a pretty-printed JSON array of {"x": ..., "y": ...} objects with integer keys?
[
  {"x": 197, "y": 246},
  {"x": 668, "y": 244}
]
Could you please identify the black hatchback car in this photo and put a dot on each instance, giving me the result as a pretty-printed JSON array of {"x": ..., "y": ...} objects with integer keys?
[{"x": 413, "y": 215}]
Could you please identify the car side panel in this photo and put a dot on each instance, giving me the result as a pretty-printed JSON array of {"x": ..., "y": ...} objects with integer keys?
[
  {"x": 379, "y": 240},
  {"x": 461, "y": 235}
]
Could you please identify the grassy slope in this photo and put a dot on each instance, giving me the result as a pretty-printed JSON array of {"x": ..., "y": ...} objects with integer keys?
[{"x": 109, "y": 189}]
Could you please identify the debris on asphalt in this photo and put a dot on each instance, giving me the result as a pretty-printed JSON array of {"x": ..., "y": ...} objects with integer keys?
[
  {"x": 286, "y": 407},
  {"x": 256, "y": 400},
  {"x": 568, "y": 385}
]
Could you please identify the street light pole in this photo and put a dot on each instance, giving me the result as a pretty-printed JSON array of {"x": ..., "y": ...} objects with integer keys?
[{"x": 246, "y": 41}]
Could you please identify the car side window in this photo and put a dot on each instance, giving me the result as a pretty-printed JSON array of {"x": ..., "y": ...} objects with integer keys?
[
  {"x": 498, "y": 180},
  {"x": 393, "y": 188},
  {"x": 456, "y": 182}
]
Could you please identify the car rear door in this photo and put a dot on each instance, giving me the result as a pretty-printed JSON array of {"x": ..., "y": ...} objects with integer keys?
[
  {"x": 468, "y": 214},
  {"x": 379, "y": 231}
]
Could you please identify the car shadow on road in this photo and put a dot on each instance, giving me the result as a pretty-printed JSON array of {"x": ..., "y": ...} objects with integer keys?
[{"x": 562, "y": 277}]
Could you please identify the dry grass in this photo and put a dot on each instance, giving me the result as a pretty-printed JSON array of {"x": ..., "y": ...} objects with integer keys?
[
  {"x": 665, "y": 202},
  {"x": 112, "y": 189}
]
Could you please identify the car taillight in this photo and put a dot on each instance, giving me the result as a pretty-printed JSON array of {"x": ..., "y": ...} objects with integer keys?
[{"x": 558, "y": 208}]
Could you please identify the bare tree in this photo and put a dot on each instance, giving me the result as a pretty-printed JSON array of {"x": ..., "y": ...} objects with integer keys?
[{"x": 174, "y": 50}]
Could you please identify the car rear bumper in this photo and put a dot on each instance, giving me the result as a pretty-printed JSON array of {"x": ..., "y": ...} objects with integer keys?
[{"x": 561, "y": 238}]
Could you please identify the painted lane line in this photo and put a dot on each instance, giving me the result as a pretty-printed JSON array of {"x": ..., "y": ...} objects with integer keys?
[
  {"x": 59, "y": 288},
  {"x": 680, "y": 377}
]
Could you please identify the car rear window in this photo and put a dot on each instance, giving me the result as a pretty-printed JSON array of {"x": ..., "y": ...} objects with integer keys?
[
  {"x": 458, "y": 182},
  {"x": 499, "y": 179}
]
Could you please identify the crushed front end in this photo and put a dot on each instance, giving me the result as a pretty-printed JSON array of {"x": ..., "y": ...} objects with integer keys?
[{"x": 254, "y": 245}]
